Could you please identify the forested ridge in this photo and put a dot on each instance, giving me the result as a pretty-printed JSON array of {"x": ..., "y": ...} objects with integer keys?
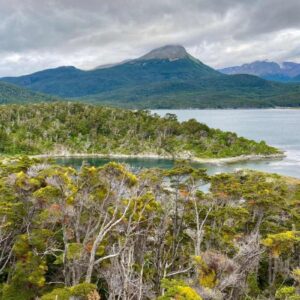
[
  {"x": 10, "y": 93},
  {"x": 66, "y": 128},
  {"x": 108, "y": 233}
]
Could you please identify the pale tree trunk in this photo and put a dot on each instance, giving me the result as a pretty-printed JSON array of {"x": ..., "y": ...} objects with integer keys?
[{"x": 104, "y": 230}]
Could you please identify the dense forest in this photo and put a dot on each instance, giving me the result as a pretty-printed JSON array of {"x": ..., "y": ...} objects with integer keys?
[
  {"x": 108, "y": 233},
  {"x": 66, "y": 128}
]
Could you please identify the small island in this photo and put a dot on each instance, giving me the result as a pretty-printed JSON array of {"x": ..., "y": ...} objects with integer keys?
[{"x": 76, "y": 129}]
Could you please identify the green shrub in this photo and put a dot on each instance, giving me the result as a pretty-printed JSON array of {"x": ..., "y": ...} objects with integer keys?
[{"x": 81, "y": 290}]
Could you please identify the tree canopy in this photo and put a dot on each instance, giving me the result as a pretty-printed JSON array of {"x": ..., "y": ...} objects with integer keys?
[
  {"x": 109, "y": 233},
  {"x": 66, "y": 128}
]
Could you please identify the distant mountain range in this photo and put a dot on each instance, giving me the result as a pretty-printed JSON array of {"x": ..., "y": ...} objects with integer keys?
[
  {"x": 166, "y": 77},
  {"x": 285, "y": 72}
]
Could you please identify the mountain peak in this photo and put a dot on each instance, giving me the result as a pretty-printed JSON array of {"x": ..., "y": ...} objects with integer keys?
[{"x": 170, "y": 52}]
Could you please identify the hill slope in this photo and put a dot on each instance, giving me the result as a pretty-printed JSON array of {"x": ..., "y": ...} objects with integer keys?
[
  {"x": 10, "y": 93},
  {"x": 167, "y": 77}
]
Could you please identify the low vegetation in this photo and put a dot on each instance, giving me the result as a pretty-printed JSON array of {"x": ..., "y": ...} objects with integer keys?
[
  {"x": 106, "y": 233},
  {"x": 66, "y": 128}
]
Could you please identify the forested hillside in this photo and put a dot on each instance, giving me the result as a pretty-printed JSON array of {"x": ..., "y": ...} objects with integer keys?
[
  {"x": 10, "y": 93},
  {"x": 105, "y": 232},
  {"x": 66, "y": 128}
]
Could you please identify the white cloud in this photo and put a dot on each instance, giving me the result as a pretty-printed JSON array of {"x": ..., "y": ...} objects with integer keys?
[{"x": 38, "y": 34}]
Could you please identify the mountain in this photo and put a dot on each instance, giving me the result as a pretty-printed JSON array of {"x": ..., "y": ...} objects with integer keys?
[
  {"x": 167, "y": 77},
  {"x": 296, "y": 78},
  {"x": 10, "y": 93},
  {"x": 167, "y": 52},
  {"x": 166, "y": 64},
  {"x": 269, "y": 70},
  {"x": 291, "y": 69}
]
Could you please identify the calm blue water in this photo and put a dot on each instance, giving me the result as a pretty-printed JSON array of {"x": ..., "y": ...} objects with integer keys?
[{"x": 278, "y": 127}]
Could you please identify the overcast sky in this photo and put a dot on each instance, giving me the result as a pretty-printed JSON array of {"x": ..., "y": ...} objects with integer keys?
[{"x": 39, "y": 34}]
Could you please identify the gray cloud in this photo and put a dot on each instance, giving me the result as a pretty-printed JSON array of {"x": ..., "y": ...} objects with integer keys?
[{"x": 38, "y": 34}]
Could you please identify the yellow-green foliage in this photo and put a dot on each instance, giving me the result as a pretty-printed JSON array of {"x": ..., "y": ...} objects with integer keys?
[
  {"x": 206, "y": 276},
  {"x": 120, "y": 171},
  {"x": 287, "y": 293},
  {"x": 81, "y": 290},
  {"x": 281, "y": 242},
  {"x": 28, "y": 278},
  {"x": 58, "y": 294},
  {"x": 47, "y": 193},
  {"x": 74, "y": 250},
  {"x": 179, "y": 290},
  {"x": 296, "y": 275},
  {"x": 141, "y": 208}
]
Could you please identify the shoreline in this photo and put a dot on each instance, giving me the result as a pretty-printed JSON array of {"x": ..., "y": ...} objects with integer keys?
[
  {"x": 229, "y": 108},
  {"x": 224, "y": 160}
]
